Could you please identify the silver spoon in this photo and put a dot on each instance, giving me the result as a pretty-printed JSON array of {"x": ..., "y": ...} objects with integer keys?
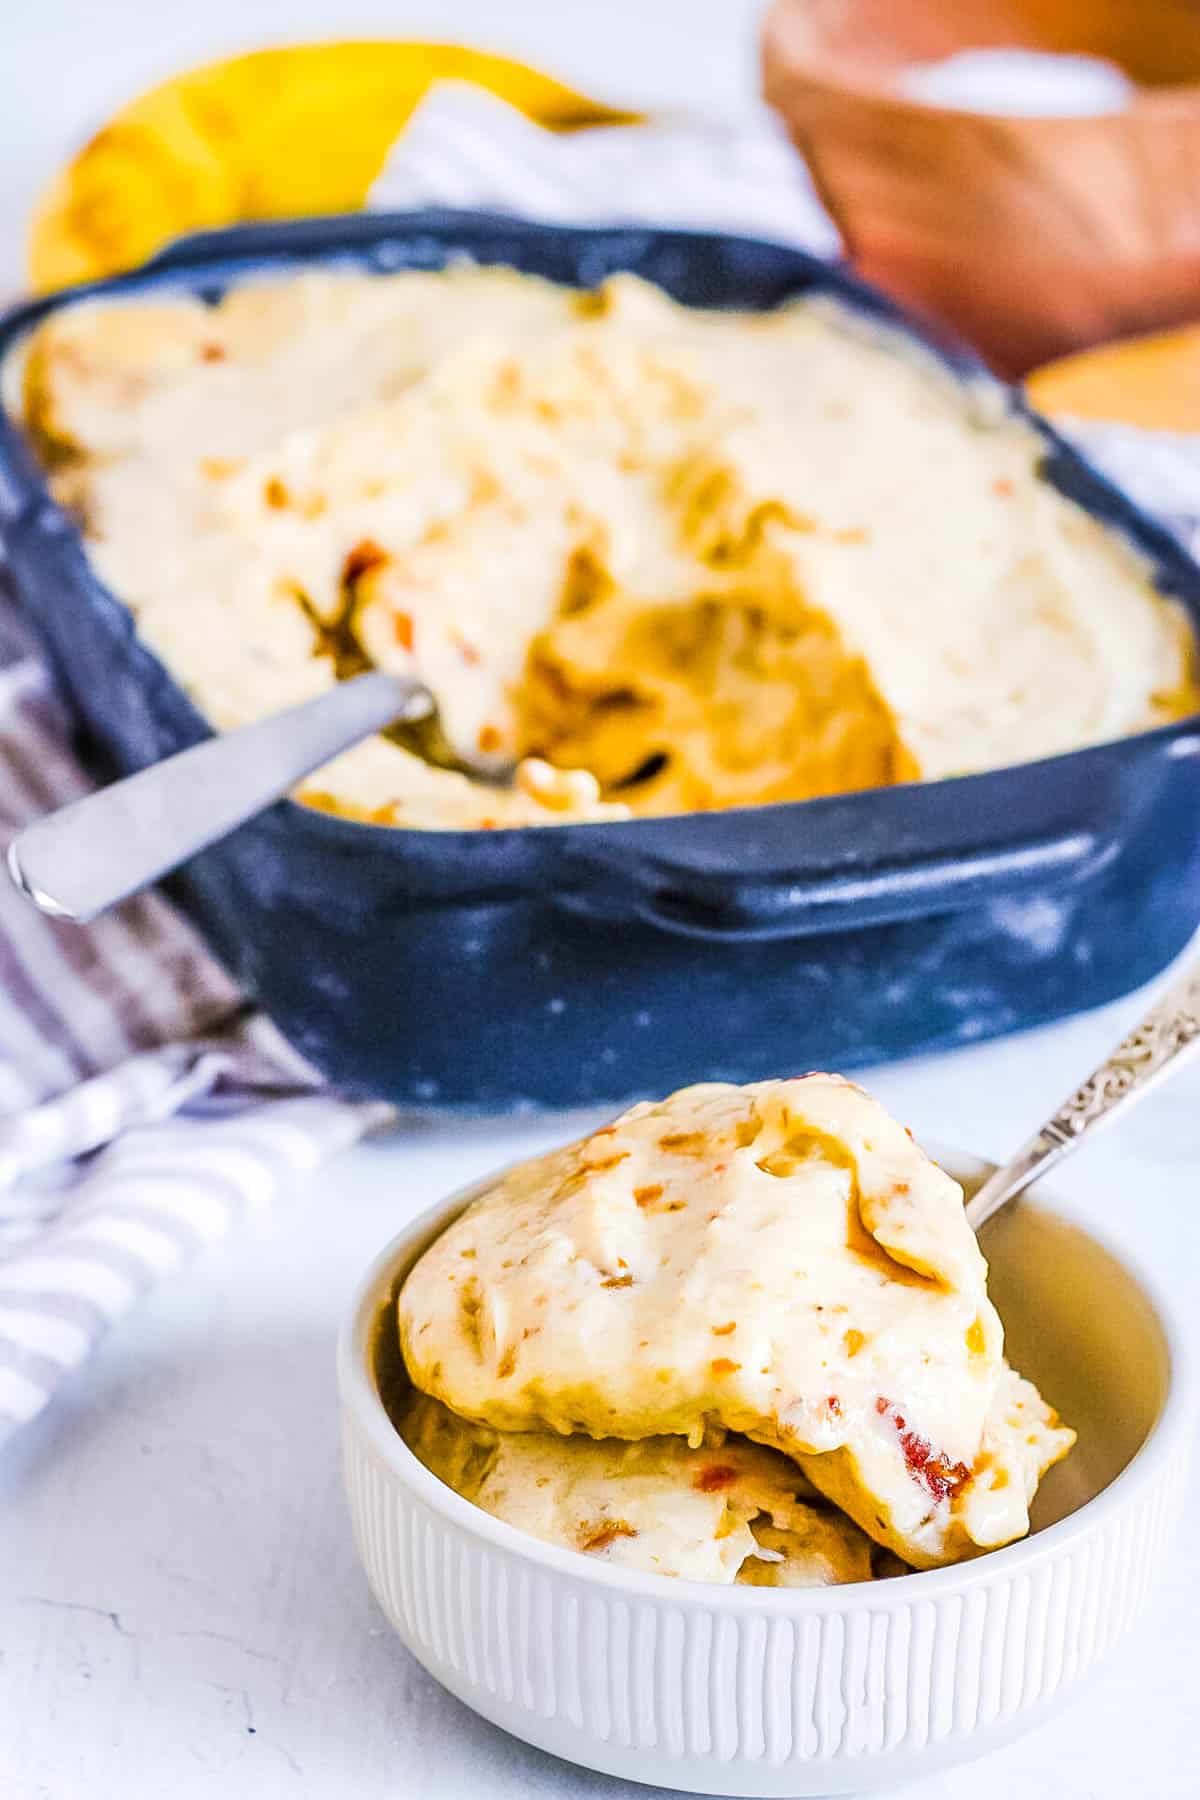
[
  {"x": 77, "y": 862},
  {"x": 1167, "y": 1037}
]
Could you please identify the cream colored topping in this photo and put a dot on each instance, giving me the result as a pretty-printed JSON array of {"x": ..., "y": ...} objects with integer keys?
[
  {"x": 779, "y": 1261},
  {"x": 731, "y": 1512},
  {"x": 1022, "y": 1438},
  {"x": 746, "y": 557}
]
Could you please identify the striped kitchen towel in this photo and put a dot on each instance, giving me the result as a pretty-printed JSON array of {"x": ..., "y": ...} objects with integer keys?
[{"x": 143, "y": 1106}]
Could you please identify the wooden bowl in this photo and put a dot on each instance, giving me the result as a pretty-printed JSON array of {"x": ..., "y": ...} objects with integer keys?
[{"x": 1032, "y": 237}]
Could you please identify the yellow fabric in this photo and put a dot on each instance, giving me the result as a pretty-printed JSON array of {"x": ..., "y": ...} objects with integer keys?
[
  {"x": 275, "y": 134},
  {"x": 1152, "y": 382}
]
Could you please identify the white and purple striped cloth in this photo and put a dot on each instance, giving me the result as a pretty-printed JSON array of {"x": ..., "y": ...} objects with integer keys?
[{"x": 142, "y": 1106}]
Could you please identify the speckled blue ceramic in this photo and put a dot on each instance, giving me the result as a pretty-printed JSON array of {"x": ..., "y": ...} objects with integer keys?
[{"x": 488, "y": 971}]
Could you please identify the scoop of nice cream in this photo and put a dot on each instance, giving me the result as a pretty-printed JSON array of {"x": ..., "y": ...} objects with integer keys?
[{"x": 779, "y": 1261}]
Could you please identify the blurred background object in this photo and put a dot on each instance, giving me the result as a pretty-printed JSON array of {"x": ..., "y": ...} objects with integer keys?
[
  {"x": 1152, "y": 382},
  {"x": 68, "y": 67},
  {"x": 1039, "y": 195},
  {"x": 464, "y": 147},
  {"x": 275, "y": 134}
]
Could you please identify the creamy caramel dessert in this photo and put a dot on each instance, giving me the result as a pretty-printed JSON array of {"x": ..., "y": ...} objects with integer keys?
[
  {"x": 732, "y": 1513},
  {"x": 777, "y": 1263},
  {"x": 667, "y": 559}
]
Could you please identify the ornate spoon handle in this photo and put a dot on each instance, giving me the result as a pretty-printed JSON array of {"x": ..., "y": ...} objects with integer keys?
[{"x": 1166, "y": 1038}]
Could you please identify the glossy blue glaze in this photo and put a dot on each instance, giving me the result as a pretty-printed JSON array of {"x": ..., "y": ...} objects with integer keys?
[{"x": 490, "y": 971}]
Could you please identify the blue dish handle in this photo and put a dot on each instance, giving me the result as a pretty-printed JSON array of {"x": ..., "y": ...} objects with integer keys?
[
  {"x": 784, "y": 872},
  {"x": 750, "y": 911}
]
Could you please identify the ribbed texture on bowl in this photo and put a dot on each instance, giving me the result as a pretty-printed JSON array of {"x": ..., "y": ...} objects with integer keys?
[{"x": 780, "y": 1697}]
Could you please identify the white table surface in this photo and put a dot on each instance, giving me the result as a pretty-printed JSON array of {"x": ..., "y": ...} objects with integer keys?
[{"x": 181, "y": 1613}]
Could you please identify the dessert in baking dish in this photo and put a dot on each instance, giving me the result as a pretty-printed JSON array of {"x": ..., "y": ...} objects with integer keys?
[
  {"x": 667, "y": 559},
  {"x": 777, "y": 1263}
]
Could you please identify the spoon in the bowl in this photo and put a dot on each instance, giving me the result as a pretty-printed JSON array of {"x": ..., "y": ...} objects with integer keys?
[
  {"x": 1167, "y": 1037},
  {"x": 77, "y": 862}
]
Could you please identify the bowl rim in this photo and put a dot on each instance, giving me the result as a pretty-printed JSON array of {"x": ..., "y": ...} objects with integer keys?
[{"x": 360, "y": 1403}]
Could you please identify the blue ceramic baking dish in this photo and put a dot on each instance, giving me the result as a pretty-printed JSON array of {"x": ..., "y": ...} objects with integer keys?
[{"x": 489, "y": 971}]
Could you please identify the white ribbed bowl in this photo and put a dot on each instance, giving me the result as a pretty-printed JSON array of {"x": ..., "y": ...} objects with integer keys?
[{"x": 752, "y": 1691}]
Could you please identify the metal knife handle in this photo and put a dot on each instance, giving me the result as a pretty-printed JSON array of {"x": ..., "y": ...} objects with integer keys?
[
  {"x": 1167, "y": 1037},
  {"x": 79, "y": 861}
]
